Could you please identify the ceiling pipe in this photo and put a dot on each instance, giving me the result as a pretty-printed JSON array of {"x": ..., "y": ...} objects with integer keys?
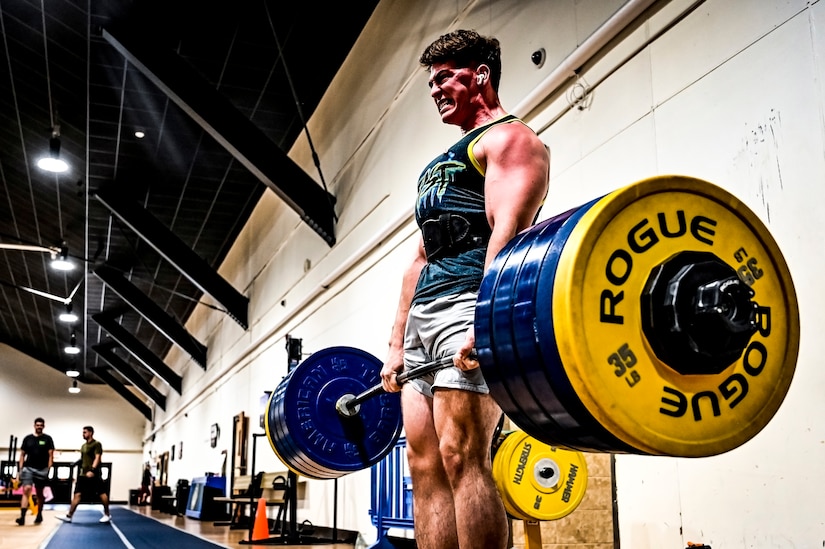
[{"x": 581, "y": 55}]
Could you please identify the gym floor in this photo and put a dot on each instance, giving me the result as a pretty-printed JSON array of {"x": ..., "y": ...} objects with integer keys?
[{"x": 32, "y": 535}]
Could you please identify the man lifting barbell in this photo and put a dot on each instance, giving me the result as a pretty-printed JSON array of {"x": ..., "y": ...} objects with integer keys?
[
  {"x": 658, "y": 319},
  {"x": 472, "y": 200}
]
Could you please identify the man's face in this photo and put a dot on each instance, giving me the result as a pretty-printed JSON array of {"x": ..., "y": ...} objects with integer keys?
[
  {"x": 452, "y": 89},
  {"x": 38, "y": 428},
  {"x": 87, "y": 435}
]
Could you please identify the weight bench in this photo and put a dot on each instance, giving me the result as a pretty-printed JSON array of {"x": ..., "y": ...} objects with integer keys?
[{"x": 250, "y": 497}]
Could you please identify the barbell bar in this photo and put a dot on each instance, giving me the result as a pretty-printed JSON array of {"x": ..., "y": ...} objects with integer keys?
[
  {"x": 659, "y": 319},
  {"x": 348, "y": 404}
]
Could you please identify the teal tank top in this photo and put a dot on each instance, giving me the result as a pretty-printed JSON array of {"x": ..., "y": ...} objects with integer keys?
[{"x": 454, "y": 184}]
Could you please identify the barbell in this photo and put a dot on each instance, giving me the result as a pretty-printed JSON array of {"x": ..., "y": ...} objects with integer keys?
[{"x": 659, "y": 319}]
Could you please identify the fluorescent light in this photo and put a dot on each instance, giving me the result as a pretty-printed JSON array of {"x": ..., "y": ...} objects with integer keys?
[
  {"x": 72, "y": 373},
  {"x": 68, "y": 315},
  {"x": 74, "y": 389}
]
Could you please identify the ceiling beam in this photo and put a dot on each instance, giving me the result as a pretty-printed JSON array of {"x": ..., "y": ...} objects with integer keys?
[
  {"x": 138, "y": 350},
  {"x": 152, "y": 312},
  {"x": 107, "y": 353},
  {"x": 176, "y": 252},
  {"x": 132, "y": 398},
  {"x": 235, "y": 132}
]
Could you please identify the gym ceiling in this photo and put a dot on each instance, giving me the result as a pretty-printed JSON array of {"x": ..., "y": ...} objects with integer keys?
[{"x": 173, "y": 118}]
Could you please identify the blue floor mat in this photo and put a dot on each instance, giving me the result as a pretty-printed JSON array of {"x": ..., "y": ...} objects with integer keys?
[{"x": 141, "y": 533}]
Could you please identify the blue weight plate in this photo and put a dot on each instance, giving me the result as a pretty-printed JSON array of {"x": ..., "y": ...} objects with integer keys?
[
  {"x": 552, "y": 363},
  {"x": 280, "y": 440},
  {"x": 559, "y": 430},
  {"x": 290, "y": 446},
  {"x": 287, "y": 451},
  {"x": 296, "y": 457},
  {"x": 494, "y": 375},
  {"x": 543, "y": 254},
  {"x": 321, "y": 436},
  {"x": 507, "y": 359}
]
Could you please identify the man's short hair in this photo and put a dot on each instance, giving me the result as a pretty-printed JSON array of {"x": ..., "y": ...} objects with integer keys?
[
  {"x": 89, "y": 428},
  {"x": 468, "y": 49},
  {"x": 40, "y": 420}
]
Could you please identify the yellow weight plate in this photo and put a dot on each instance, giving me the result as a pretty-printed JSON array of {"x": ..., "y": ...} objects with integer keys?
[
  {"x": 604, "y": 268},
  {"x": 538, "y": 481}
]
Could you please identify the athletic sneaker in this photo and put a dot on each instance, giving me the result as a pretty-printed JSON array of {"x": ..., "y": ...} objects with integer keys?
[
  {"x": 64, "y": 518},
  {"x": 105, "y": 518}
]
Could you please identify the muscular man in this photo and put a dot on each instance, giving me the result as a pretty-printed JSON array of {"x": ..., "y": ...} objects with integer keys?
[
  {"x": 472, "y": 200},
  {"x": 89, "y": 484},
  {"x": 36, "y": 458}
]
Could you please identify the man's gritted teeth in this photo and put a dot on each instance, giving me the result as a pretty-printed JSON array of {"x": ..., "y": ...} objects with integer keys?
[{"x": 443, "y": 104}]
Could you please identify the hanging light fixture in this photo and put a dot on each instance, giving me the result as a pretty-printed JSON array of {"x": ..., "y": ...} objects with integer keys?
[
  {"x": 72, "y": 348},
  {"x": 60, "y": 254},
  {"x": 53, "y": 162},
  {"x": 74, "y": 389},
  {"x": 69, "y": 315},
  {"x": 60, "y": 258},
  {"x": 73, "y": 371}
]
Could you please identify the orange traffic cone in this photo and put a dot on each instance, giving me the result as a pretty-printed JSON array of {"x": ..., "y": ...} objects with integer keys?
[{"x": 260, "y": 530}]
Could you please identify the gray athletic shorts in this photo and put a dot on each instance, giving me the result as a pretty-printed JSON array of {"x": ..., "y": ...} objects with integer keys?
[
  {"x": 38, "y": 477},
  {"x": 436, "y": 330}
]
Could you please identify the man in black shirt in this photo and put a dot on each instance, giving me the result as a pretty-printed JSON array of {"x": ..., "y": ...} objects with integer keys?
[{"x": 36, "y": 458}]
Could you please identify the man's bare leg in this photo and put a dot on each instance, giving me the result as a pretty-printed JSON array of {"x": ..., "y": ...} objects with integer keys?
[
  {"x": 465, "y": 441},
  {"x": 41, "y": 500},
  {"x": 24, "y": 505},
  {"x": 433, "y": 505}
]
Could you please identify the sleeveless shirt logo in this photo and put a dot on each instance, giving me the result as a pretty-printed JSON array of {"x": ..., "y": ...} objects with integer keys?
[{"x": 434, "y": 182}]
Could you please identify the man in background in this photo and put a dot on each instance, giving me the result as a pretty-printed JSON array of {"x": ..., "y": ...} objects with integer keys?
[
  {"x": 89, "y": 484},
  {"x": 36, "y": 458}
]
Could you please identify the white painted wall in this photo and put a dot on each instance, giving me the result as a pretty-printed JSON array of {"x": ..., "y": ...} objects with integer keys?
[{"x": 731, "y": 93}]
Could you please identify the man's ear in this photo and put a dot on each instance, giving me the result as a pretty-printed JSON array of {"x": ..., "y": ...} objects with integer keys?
[{"x": 483, "y": 73}]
